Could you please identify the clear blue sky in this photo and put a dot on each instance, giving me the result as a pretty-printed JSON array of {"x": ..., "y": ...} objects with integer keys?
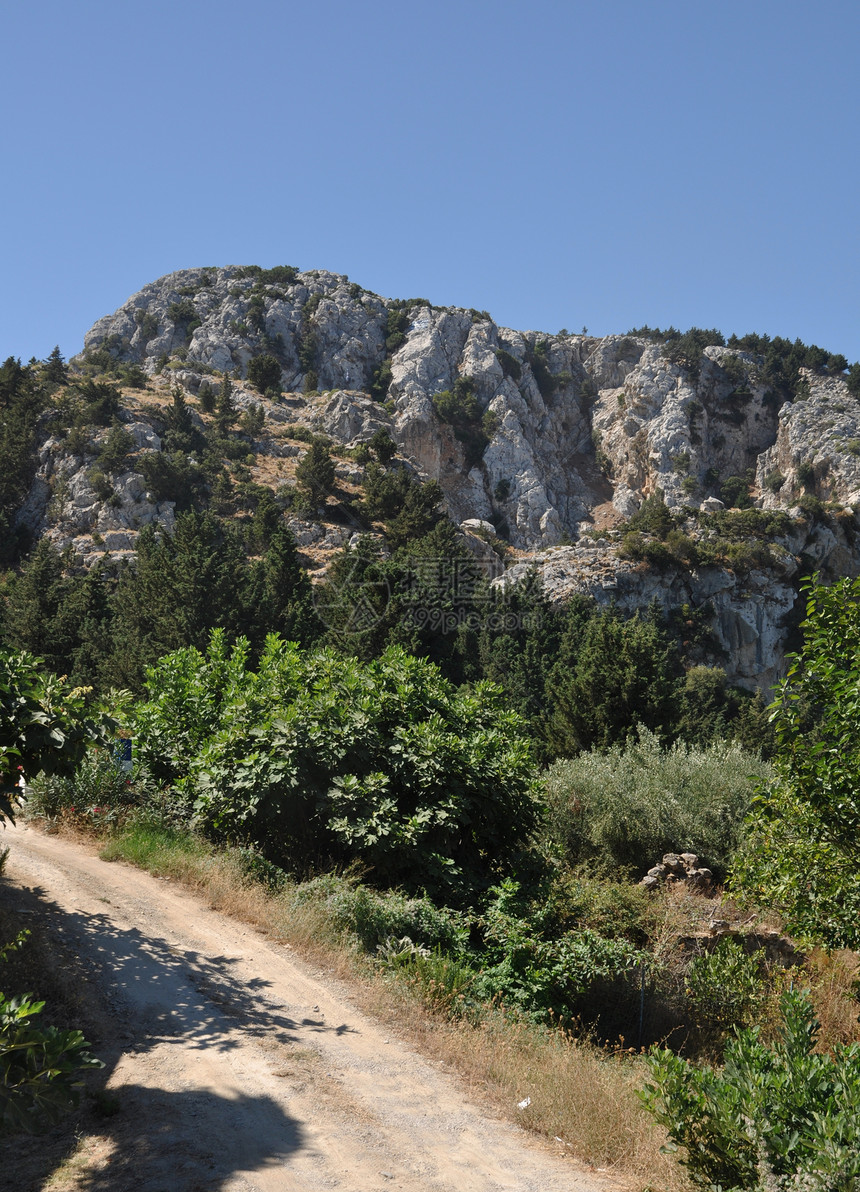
[{"x": 558, "y": 164}]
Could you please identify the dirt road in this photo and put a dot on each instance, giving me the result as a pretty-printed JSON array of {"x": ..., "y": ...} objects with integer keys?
[{"x": 237, "y": 1068}]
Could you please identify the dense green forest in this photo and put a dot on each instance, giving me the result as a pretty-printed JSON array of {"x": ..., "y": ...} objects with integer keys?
[{"x": 580, "y": 676}]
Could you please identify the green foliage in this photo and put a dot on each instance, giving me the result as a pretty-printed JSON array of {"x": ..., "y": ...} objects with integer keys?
[
  {"x": 183, "y": 585},
  {"x": 264, "y": 372},
  {"x": 105, "y": 627},
  {"x": 511, "y": 367},
  {"x": 711, "y": 710},
  {"x": 546, "y": 382},
  {"x": 56, "y": 372},
  {"x": 528, "y": 964},
  {"x": 610, "y": 674},
  {"x": 59, "y": 613},
  {"x": 459, "y": 406},
  {"x": 252, "y": 420},
  {"x": 688, "y": 347},
  {"x": 114, "y": 450},
  {"x": 774, "y": 480},
  {"x": 382, "y": 444},
  {"x": 678, "y": 549},
  {"x": 100, "y": 403},
  {"x": 781, "y": 362},
  {"x": 853, "y": 380},
  {"x": 100, "y": 484},
  {"x": 183, "y": 314},
  {"x": 206, "y": 398},
  {"x": 420, "y": 597},
  {"x": 278, "y": 275},
  {"x": 779, "y": 1117},
  {"x": 39, "y": 1068},
  {"x": 383, "y": 763},
  {"x": 225, "y": 410},
  {"x": 652, "y": 517},
  {"x": 726, "y": 988},
  {"x": 377, "y": 916},
  {"x": 802, "y": 856},
  {"x": 98, "y": 786},
  {"x": 172, "y": 477},
  {"x": 315, "y": 473},
  {"x": 257, "y": 312},
  {"x": 630, "y": 805},
  {"x": 397, "y": 323},
  {"x": 148, "y": 323},
  {"x": 22, "y": 400},
  {"x": 735, "y": 491},
  {"x": 381, "y": 380},
  {"x": 45, "y": 725},
  {"x": 180, "y": 433},
  {"x": 806, "y": 475},
  {"x": 188, "y": 693},
  {"x": 409, "y": 509}
]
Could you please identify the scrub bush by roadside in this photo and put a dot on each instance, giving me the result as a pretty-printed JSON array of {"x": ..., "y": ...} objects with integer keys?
[{"x": 624, "y": 808}]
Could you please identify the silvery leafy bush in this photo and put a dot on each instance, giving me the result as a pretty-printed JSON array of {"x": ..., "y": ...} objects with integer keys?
[{"x": 629, "y": 805}]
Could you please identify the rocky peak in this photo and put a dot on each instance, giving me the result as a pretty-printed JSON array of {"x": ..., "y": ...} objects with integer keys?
[{"x": 553, "y": 440}]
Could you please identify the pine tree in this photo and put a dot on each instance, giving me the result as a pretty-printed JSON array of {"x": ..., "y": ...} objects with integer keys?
[
  {"x": 278, "y": 597},
  {"x": 315, "y": 473},
  {"x": 225, "y": 411},
  {"x": 184, "y": 585},
  {"x": 180, "y": 434},
  {"x": 36, "y": 616},
  {"x": 56, "y": 372}
]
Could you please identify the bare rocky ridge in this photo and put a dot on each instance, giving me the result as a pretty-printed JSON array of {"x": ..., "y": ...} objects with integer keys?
[{"x": 577, "y": 431}]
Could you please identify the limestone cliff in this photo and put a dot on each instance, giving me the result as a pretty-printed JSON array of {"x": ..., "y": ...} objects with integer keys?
[{"x": 551, "y": 439}]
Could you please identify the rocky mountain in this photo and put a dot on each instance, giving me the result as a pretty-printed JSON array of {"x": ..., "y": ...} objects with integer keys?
[{"x": 610, "y": 464}]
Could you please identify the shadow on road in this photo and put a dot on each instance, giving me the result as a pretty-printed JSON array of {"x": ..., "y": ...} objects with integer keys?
[
  {"x": 153, "y": 994},
  {"x": 228, "y": 1135}
]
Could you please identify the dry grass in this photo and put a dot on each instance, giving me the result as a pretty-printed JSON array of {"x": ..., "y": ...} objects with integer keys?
[
  {"x": 579, "y": 1094},
  {"x": 833, "y": 978},
  {"x": 219, "y": 878}
]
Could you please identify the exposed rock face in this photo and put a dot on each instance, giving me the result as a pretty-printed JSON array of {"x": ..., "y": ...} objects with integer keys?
[
  {"x": 748, "y": 613},
  {"x": 578, "y": 423},
  {"x": 560, "y": 435}
]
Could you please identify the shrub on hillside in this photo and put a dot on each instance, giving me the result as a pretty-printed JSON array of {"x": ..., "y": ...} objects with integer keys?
[
  {"x": 264, "y": 373},
  {"x": 775, "y": 1118},
  {"x": 319, "y": 757},
  {"x": 99, "y": 785},
  {"x": 375, "y": 917},
  {"x": 629, "y": 806}
]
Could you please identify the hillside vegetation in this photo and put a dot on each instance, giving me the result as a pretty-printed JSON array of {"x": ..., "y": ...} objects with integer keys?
[{"x": 395, "y": 654}]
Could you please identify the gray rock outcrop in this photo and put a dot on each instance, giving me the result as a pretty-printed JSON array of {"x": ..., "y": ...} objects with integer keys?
[{"x": 549, "y": 442}]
